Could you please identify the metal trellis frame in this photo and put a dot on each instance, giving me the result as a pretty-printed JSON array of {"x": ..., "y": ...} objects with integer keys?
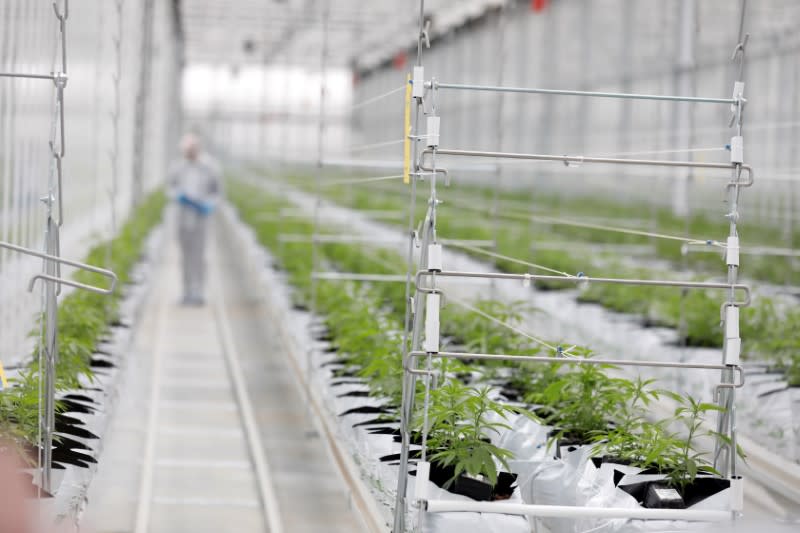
[
  {"x": 52, "y": 260},
  {"x": 421, "y": 337}
]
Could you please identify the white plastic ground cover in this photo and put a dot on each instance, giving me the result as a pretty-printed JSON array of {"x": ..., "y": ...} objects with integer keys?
[
  {"x": 768, "y": 420},
  {"x": 72, "y": 483},
  {"x": 573, "y": 480}
]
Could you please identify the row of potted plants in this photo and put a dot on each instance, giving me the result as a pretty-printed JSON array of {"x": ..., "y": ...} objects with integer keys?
[
  {"x": 84, "y": 319},
  {"x": 584, "y": 405},
  {"x": 767, "y": 326}
]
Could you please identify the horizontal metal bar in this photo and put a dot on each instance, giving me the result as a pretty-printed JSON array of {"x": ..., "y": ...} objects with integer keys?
[
  {"x": 354, "y": 276},
  {"x": 61, "y": 261},
  {"x": 62, "y": 281},
  {"x": 396, "y": 165},
  {"x": 567, "y": 159},
  {"x": 637, "y": 513},
  {"x": 366, "y": 239},
  {"x": 575, "y": 361},
  {"x": 363, "y": 239},
  {"x": 594, "y": 94},
  {"x": 27, "y": 76},
  {"x": 587, "y": 279},
  {"x": 748, "y": 250}
]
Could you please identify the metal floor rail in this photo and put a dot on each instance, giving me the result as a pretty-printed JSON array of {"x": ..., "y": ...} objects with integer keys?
[{"x": 224, "y": 442}]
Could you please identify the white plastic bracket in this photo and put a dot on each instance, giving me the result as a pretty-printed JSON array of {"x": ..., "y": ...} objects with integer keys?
[
  {"x": 434, "y": 258},
  {"x": 418, "y": 82},
  {"x": 737, "y": 494},
  {"x": 732, "y": 251},
  {"x": 421, "y": 485},
  {"x": 733, "y": 343},
  {"x": 431, "y": 344},
  {"x": 433, "y": 131},
  {"x": 737, "y": 149},
  {"x": 738, "y": 94}
]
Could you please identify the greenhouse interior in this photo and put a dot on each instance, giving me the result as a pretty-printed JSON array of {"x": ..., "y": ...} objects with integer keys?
[{"x": 438, "y": 266}]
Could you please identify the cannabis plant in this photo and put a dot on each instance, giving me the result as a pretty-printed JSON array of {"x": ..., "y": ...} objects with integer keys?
[{"x": 460, "y": 429}]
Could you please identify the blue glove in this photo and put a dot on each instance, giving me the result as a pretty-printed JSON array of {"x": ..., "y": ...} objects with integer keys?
[{"x": 203, "y": 208}]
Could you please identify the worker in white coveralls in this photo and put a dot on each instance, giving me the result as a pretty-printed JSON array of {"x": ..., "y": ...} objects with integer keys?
[{"x": 195, "y": 186}]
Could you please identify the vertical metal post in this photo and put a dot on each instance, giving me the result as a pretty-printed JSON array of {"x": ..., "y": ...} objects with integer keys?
[
  {"x": 725, "y": 454},
  {"x": 321, "y": 128},
  {"x": 413, "y": 308},
  {"x": 115, "y": 117},
  {"x": 142, "y": 96},
  {"x": 587, "y": 45},
  {"x": 684, "y": 81},
  {"x": 499, "y": 129},
  {"x": 50, "y": 353},
  {"x": 627, "y": 20},
  {"x": 47, "y": 379}
]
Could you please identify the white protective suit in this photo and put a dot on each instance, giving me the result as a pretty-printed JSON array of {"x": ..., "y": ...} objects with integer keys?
[{"x": 195, "y": 185}]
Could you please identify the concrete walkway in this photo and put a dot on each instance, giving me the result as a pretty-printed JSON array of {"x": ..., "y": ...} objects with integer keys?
[{"x": 230, "y": 446}]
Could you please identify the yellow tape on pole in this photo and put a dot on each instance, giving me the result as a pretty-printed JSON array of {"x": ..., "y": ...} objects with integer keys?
[
  {"x": 407, "y": 134},
  {"x": 3, "y": 381}
]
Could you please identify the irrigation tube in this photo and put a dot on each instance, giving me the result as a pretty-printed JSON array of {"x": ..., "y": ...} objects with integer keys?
[
  {"x": 566, "y": 511},
  {"x": 595, "y": 94}
]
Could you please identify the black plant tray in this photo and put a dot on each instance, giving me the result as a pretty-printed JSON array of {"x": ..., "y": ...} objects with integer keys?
[
  {"x": 473, "y": 488},
  {"x": 697, "y": 491}
]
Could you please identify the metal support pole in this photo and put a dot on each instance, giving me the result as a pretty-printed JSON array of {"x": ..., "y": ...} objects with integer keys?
[
  {"x": 321, "y": 127},
  {"x": 725, "y": 454},
  {"x": 684, "y": 115},
  {"x": 142, "y": 96},
  {"x": 50, "y": 357},
  {"x": 414, "y": 307},
  {"x": 499, "y": 129},
  {"x": 115, "y": 123}
]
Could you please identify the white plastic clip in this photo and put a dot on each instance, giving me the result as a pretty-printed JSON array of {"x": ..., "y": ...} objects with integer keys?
[
  {"x": 418, "y": 83},
  {"x": 738, "y": 95},
  {"x": 737, "y": 149},
  {"x": 737, "y": 494},
  {"x": 434, "y": 258},
  {"x": 433, "y": 131},
  {"x": 732, "y": 251},
  {"x": 526, "y": 280},
  {"x": 733, "y": 343},
  {"x": 431, "y": 344},
  {"x": 421, "y": 485}
]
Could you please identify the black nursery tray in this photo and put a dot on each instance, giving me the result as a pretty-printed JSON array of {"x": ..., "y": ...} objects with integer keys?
[
  {"x": 473, "y": 488},
  {"x": 697, "y": 491}
]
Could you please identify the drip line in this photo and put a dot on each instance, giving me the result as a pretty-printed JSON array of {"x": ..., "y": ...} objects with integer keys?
[
  {"x": 362, "y": 180},
  {"x": 513, "y": 328},
  {"x": 377, "y": 98},
  {"x": 372, "y": 146},
  {"x": 560, "y": 221},
  {"x": 511, "y": 259}
]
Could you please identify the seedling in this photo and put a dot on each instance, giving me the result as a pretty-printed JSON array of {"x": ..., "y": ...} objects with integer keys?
[{"x": 460, "y": 430}]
